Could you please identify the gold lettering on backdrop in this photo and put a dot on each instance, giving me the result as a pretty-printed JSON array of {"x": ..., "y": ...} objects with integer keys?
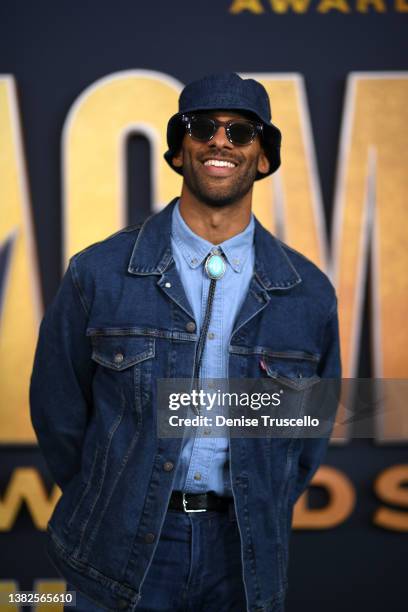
[
  {"x": 371, "y": 169},
  {"x": 282, "y": 6},
  {"x": 94, "y": 153},
  {"x": 401, "y": 6},
  {"x": 20, "y": 306},
  {"x": 329, "y": 5},
  {"x": 49, "y": 586},
  {"x": 289, "y": 203},
  {"x": 364, "y": 6},
  {"x": 370, "y": 211},
  {"x": 6, "y": 587},
  {"x": 326, "y": 7},
  {"x": 26, "y": 486},
  {"x": 390, "y": 487},
  {"x": 342, "y": 499},
  {"x": 253, "y": 6}
]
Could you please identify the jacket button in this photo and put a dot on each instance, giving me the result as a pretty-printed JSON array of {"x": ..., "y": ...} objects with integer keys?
[
  {"x": 118, "y": 358},
  {"x": 149, "y": 538},
  {"x": 122, "y": 604},
  {"x": 168, "y": 466},
  {"x": 190, "y": 327}
]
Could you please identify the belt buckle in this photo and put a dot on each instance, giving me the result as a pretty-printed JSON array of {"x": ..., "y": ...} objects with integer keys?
[{"x": 187, "y": 510}]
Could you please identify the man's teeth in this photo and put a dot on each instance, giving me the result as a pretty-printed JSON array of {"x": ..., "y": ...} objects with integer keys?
[{"x": 219, "y": 163}]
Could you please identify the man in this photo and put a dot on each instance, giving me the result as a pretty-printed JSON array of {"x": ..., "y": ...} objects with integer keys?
[{"x": 199, "y": 291}]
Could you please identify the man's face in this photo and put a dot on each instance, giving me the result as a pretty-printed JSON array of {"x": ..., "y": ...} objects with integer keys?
[{"x": 220, "y": 185}]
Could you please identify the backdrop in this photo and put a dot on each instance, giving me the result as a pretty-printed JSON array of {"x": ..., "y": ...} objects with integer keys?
[{"x": 86, "y": 89}]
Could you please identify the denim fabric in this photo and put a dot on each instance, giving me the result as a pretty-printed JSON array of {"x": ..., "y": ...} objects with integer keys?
[
  {"x": 204, "y": 460},
  {"x": 196, "y": 567},
  {"x": 120, "y": 321}
]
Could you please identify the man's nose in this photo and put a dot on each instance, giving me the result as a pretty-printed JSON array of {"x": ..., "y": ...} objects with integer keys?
[{"x": 220, "y": 138}]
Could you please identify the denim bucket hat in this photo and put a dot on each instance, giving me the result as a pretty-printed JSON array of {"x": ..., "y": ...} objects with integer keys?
[{"x": 227, "y": 91}]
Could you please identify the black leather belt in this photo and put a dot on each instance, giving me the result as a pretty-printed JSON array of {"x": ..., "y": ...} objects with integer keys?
[{"x": 198, "y": 502}]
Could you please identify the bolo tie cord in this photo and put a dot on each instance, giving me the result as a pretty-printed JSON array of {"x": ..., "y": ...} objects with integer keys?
[
  {"x": 215, "y": 272},
  {"x": 205, "y": 326}
]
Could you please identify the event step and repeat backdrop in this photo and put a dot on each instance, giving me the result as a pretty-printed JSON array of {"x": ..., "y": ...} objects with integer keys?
[{"x": 86, "y": 90}]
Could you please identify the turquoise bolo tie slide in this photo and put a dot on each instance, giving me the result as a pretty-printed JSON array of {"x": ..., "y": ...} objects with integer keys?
[{"x": 215, "y": 265}]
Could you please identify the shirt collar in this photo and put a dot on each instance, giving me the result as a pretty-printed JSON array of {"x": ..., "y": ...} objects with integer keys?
[
  {"x": 274, "y": 269},
  {"x": 194, "y": 248}
]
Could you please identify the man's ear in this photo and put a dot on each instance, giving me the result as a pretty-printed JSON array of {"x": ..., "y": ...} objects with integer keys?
[
  {"x": 263, "y": 162},
  {"x": 178, "y": 159}
]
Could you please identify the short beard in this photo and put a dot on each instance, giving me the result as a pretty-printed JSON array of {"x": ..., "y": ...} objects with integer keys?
[{"x": 218, "y": 199}]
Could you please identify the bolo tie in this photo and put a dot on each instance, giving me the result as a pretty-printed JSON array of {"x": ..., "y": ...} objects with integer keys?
[{"x": 214, "y": 267}]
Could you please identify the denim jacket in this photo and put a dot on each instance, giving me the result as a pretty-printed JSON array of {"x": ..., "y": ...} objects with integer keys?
[{"x": 119, "y": 321}]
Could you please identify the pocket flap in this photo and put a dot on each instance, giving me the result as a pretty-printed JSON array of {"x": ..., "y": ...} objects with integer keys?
[
  {"x": 121, "y": 351},
  {"x": 298, "y": 374}
]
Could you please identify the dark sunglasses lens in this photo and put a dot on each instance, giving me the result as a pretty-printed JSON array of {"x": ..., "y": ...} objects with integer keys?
[
  {"x": 241, "y": 133},
  {"x": 201, "y": 128}
]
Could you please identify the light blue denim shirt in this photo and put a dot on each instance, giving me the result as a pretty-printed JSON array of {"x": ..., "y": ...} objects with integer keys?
[{"x": 204, "y": 461}]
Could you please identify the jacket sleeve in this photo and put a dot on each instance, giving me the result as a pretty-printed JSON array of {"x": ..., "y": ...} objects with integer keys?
[
  {"x": 314, "y": 449},
  {"x": 60, "y": 386}
]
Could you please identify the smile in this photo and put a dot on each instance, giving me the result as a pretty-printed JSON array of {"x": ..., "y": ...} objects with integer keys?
[{"x": 218, "y": 163}]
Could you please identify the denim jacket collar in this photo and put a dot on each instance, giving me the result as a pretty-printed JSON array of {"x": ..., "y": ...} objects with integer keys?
[{"x": 152, "y": 252}]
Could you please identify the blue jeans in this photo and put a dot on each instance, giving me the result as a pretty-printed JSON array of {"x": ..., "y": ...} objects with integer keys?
[{"x": 196, "y": 567}]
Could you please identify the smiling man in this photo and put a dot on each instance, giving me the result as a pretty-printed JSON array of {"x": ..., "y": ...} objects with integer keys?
[
  {"x": 218, "y": 171},
  {"x": 199, "y": 291}
]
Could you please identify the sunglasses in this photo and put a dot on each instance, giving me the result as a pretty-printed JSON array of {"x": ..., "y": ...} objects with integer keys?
[{"x": 238, "y": 131}]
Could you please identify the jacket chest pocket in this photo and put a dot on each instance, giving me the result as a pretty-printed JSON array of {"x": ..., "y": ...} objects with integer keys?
[
  {"x": 293, "y": 375},
  {"x": 295, "y": 370},
  {"x": 125, "y": 374}
]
